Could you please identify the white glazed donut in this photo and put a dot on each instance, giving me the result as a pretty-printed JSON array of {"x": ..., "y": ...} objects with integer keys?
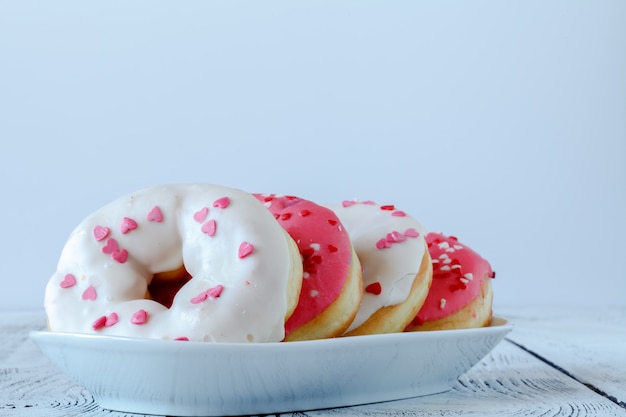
[
  {"x": 241, "y": 272},
  {"x": 397, "y": 271}
]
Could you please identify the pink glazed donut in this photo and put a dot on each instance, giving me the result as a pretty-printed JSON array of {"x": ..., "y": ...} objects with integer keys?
[
  {"x": 460, "y": 296},
  {"x": 231, "y": 273},
  {"x": 331, "y": 286}
]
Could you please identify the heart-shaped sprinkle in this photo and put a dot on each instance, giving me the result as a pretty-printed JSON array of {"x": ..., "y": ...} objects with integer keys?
[
  {"x": 411, "y": 233},
  {"x": 374, "y": 288},
  {"x": 388, "y": 207},
  {"x": 68, "y": 281},
  {"x": 304, "y": 213},
  {"x": 90, "y": 293},
  {"x": 221, "y": 202},
  {"x": 209, "y": 227},
  {"x": 182, "y": 339},
  {"x": 245, "y": 249},
  {"x": 332, "y": 222},
  {"x": 348, "y": 203},
  {"x": 120, "y": 256},
  {"x": 332, "y": 249},
  {"x": 100, "y": 232},
  {"x": 127, "y": 225},
  {"x": 111, "y": 320},
  {"x": 215, "y": 292},
  {"x": 201, "y": 214},
  {"x": 155, "y": 215},
  {"x": 99, "y": 323},
  {"x": 110, "y": 246},
  {"x": 395, "y": 237},
  {"x": 383, "y": 244},
  {"x": 210, "y": 294},
  {"x": 139, "y": 317},
  {"x": 398, "y": 213}
]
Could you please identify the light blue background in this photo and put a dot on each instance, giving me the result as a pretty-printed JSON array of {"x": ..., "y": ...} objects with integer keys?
[{"x": 503, "y": 123}]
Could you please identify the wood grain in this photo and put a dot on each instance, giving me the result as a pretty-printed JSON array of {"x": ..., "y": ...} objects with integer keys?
[{"x": 508, "y": 382}]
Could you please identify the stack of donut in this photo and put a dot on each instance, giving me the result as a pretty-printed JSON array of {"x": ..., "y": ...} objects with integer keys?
[{"x": 203, "y": 262}]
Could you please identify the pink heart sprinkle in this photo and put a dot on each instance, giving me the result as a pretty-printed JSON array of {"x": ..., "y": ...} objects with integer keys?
[
  {"x": 215, "y": 292},
  {"x": 111, "y": 320},
  {"x": 155, "y": 215},
  {"x": 120, "y": 256},
  {"x": 100, "y": 232},
  {"x": 209, "y": 227},
  {"x": 398, "y": 213},
  {"x": 245, "y": 249},
  {"x": 348, "y": 203},
  {"x": 90, "y": 293},
  {"x": 395, "y": 237},
  {"x": 210, "y": 294},
  {"x": 383, "y": 244},
  {"x": 199, "y": 298},
  {"x": 411, "y": 233},
  {"x": 182, "y": 338},
  {"x": 99, "y": 323},
  {"x": 201, "y": 214},
  {"x": 140, "y": 317},
  {"x": 128, "y": 225},
  {"x": 68, "y": 281},
  {"x": 110, "y": 246},
  {"x": 221, "y": 202}
]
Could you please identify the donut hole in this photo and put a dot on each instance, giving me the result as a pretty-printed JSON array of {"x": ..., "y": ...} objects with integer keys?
[{"x": 164, "y": 285}]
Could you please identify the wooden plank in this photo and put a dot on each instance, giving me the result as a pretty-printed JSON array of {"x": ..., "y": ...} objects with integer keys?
[
  {"x": 589, "y": 345},
  {"x": 508, "y": 382}
]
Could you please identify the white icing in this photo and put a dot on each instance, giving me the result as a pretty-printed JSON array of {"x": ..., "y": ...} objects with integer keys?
[
  {"x": 252, "y": 305},
  {"x": 394, "y": 267}
]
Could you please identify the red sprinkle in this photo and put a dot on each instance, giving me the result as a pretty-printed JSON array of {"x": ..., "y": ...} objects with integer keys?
[
  {"x": 388, "y": 207},
  {"x": 304, "y": 213},
  {"x": 100, "y": 232},
  {"x": 99, "y": 323},
  {"x": 68, "y": 281},
  {"x": 127, "y": 225},
  {"x": 332, "y": 222},
  {"x": 209, "y": 227},
  {"x": 374, "y": 288},
  {"x": 155, "y": 215},
  {"x": 140, "y": 317},
  {"x": 285, "y": 216},
  {"x": 332, "y": 248},
  {"x": 245, "y": 249},
  {"x": 182, "y": 338}
]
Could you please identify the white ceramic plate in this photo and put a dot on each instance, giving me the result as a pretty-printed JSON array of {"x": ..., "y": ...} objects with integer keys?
[{"x": 207, "y": 379}]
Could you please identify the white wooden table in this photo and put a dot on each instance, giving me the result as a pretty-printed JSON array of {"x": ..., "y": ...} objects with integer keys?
[{"x": 556, "y": 362}]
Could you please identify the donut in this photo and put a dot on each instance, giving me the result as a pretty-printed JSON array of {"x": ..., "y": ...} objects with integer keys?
[
  {"x": 461, "y": 295},
  {"x": 196, "y": 262},
  {"x": 396, "y": 265},
  {"x": 332, "y": 287}
]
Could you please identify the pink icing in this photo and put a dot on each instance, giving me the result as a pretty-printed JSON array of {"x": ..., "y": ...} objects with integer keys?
[
  {"x": 458, "y": 274},
  {"x": 325, "y": 249}
]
